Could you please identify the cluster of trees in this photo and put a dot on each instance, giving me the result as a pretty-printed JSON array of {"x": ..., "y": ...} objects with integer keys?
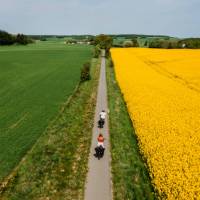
[
  {"x": 130, "y": 36},
  {"x": 190, "y": 43},
  {"x": 8, "y": 39},
  {"x": 102, "y": 42},
  {"x": 164, "y": 44},
  {"x": 131, "y": 43}
]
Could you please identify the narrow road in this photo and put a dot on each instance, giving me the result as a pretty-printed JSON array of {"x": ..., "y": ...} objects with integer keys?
[{"x": 99, "y": 185}]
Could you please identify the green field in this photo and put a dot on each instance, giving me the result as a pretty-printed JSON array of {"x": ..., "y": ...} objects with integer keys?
[
  {"x": 34, "y": 81},
  {"x": 56, "y": 166}
]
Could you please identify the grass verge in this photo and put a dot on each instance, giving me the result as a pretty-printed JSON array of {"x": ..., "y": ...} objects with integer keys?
[
  {"x": 129, "y": 172},
  {"x": 56, "y": 166}
]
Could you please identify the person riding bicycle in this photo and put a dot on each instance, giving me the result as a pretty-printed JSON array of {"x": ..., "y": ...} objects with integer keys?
[
  {"x": 100, "y": 140},
  {"x": 102, "y": 115},
  {"x": 100, "y": 147}
]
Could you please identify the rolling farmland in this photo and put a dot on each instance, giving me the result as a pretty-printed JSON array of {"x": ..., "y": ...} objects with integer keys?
[
  {"x": 34, "y": 81},
  {"x": 161, "y": 89}
]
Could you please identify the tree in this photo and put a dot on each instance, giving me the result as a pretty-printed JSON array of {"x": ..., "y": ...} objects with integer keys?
[
  {"x": 155, "y": 44},
  {"x": 170, "y": 45},
  {"x": 6, "y": 38},
  {"x": 192, "y": 43},
  {"x": 135, "y": 42},
  {"x": 22, "y": 39},
  {"x": 104, "y": 42}
]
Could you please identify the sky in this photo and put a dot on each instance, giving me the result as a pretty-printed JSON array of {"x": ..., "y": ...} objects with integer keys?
[{"x": 178, "y": 18}]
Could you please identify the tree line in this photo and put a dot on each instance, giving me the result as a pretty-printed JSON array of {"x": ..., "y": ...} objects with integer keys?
[
  {"x": 9, "y": 39},
  {"x": 189, "y": 43}
]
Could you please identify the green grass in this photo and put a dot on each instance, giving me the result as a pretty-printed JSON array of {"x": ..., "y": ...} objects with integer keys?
[
  {"x": 34, "y": 81},
  {"x": 56, "y": 167},
  {"x": 130, "y": 176}
]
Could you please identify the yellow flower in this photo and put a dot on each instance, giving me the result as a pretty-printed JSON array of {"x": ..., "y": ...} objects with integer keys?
[{"x": 162, "y": 92}]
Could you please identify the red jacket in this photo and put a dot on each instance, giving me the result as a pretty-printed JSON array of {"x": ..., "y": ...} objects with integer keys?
[{"x": 100, "y": 139}]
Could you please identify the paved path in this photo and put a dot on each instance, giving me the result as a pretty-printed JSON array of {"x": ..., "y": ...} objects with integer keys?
[{"x": 99, "y": 185}]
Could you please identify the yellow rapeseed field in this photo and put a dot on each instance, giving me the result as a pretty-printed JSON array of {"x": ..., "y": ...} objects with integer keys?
[{"x": 162, "y": 92}]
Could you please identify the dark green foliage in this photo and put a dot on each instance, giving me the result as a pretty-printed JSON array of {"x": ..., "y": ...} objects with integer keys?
[
  {"x": 155, "y": 44},
  {"x": 164, "y": 44},
  {"x": 104, "y": 42},
  {"x": 130, "y": 176},
  {"x": 130, "y": 36},
  {"x": 135, "y": 42},
  {"x": 6, "y": 38},
  {"x": 43, "y": 39},
  {"x": 85, "y": 72},
  {"x": 146, "y": 43},
  {"x": 190, "y": 43},
  {"x": 96, "y": 51},
  {"x": 110, "y": 61},
  {"x": 22, "y": 39}
]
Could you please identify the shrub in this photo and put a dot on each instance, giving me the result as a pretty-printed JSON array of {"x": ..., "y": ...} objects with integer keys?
[
  {"x": 96, "y": 52},
  {"x": 110, "y": 61},
  {"x": 85, "y": 72},
  {"x": 22, "y": 39},
  {"x": 43, "y": 39}
]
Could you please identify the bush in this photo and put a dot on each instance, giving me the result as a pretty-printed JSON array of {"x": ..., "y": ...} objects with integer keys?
[
  {"x": 85, "y": 72},
  {"x": 43, "y": 39},
  {"x": 22, "y": 39},
  {"x": 111, "y": 64},
  {"x": 96, "y": 52},
  {"x": 6, "y": 38}
]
